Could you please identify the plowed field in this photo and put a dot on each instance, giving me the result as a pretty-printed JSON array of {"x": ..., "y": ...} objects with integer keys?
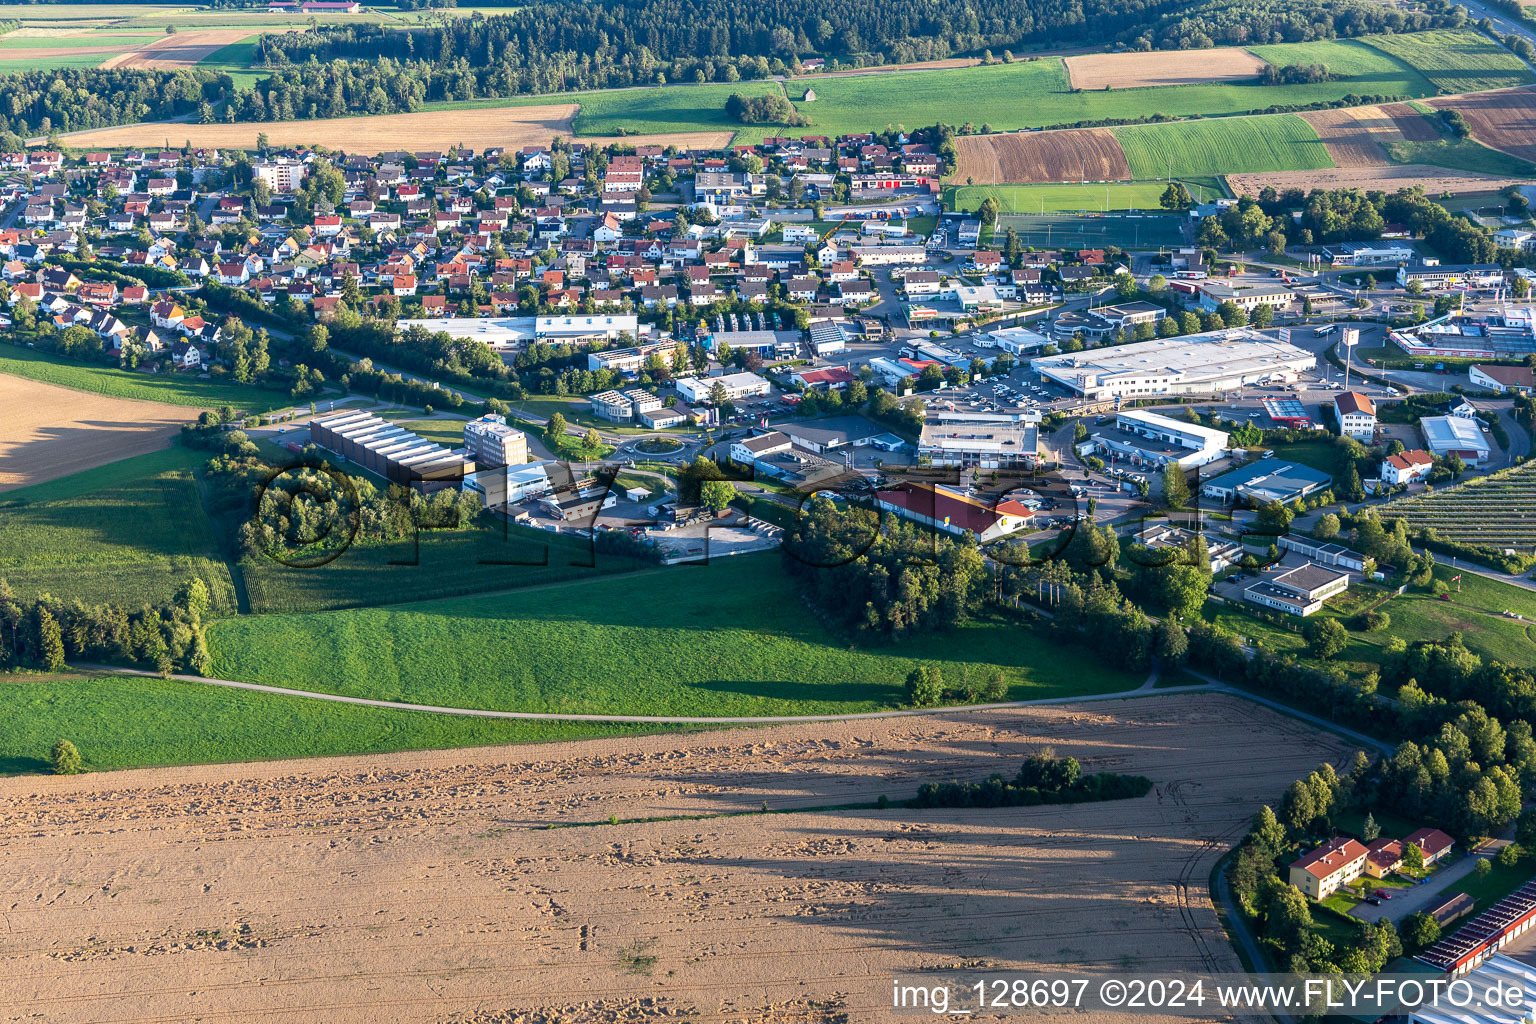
[
  {"x": 181, "y": 50},
  {"x": 1079, "y": 154},
  {"x": 1504, "y": 120},
  {"x": 1095, "y": 71},
  {"x": 1355, "y": 135}
]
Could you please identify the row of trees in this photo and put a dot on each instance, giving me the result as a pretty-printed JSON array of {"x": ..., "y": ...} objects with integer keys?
[{"x": 42, "y": 633}]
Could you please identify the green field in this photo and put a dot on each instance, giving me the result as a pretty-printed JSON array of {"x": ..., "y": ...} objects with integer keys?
[
  {"x": 73, "y": 60},
  {"x": 235, "y": 60},
  {"x": 1476, "y": 610},
  {"x": 732, "y": 638},
  {"x": 131, "y": 543},
  {"x": 1228, "y": 145},
  {"x": 674, "y": 108},
  {"x": 444, "y": 432},
  {"x": 171, "y": 389},
  {"x": 1355, "y": 60},
  {"x": 1456, "y": 60},
  {"x": 1054, "y": 230},
  {"x": 1068, "y": 197},
  {"x": 129, "y": 722},
  {"x": 1462, "y": 155},
  {"x": 103, "y": 38},
  {"x": 433, "y": 565},
  {"x": 1033, "y": 94}
]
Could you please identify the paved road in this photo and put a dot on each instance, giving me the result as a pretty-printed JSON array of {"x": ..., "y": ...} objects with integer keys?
[
  {"x": 1145, "y": 689},
  {"x": 1420, "y": 897}
]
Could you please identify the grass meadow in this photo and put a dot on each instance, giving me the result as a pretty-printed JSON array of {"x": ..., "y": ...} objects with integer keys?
[
  {"x": 1227, "y": 145},
  {"x": 431, "y": 565},
  {"x": 732, "y": 638},
  {"x": 172, "y": 389},
  {"x": 132, "y": 542},
  {"x": 1456, "y": 60},
  {"x": 132, "y": 722},
  {"x": 1462, "y": 155}
]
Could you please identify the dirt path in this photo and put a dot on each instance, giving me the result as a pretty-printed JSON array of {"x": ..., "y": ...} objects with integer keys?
[{"x": 428, "y": 887}]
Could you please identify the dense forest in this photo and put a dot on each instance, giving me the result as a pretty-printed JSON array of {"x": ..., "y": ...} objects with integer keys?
[
  {"x": 74, "y": 99},
  {"x": 563, "y": 45}
]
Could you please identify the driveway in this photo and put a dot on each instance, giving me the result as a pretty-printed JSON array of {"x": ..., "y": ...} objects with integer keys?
[{"x": 1420, "y": 897}]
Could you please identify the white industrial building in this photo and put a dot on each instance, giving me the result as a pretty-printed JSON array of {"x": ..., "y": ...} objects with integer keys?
[
  {"x": 1455, "y": 435},
  {"x": 736, "y": 385},
  {"x": 987, "y": 440},
  {"x": 1157, "y": 440},
  {"x": 507, "y": 333},
  {"x": 1198, "y": 364}
]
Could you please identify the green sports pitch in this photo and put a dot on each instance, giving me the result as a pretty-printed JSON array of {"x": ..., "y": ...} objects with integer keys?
[{"x": 1051, "y": 231}]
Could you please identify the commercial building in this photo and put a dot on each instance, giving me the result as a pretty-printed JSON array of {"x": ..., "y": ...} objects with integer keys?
[
  {"x": 1453, "y": 435},
  {"x": 1356, "y": 415},
  {"x": 612, "y": 405},
  {"x": 1211, "y": 363},
  {"x": 1018, "y": 340},
  {"x": 992, "y": 443},
  {"x": 630, "y": 360},
  {"x": 1451, "y": 275},
  {"x": 1320, "y": 873},
  {"x": 491, "y": 443},
  {"x": 1149, "y": 438},
  {"x": 1518, "y": 380},
  {"x": 508, "y": 333},
  {"x": 1367, "y": 254},
  {"x": 1221, "y": 552},
  {"x": 736, "y": 385},
  {"x": 1512, "y": 980},
  {"x": 392, "y": 452},
  {"x": 1484, "y": 935},
  {"x": 512, "y": 484},
  {"x": 1299, "y": 591},
  {"x": 833, "y": 432},
  {"x": 952, "y": 512},
  {"x": 1322, "y": 552},
  {"x": 1266, "y": 480},
  {"x": 1506, "y": 332}
]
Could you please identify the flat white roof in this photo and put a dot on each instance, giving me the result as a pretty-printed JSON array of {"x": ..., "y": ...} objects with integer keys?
[
  {"x": 1452, "y": 432},
  {"x": 1212, "y": 356},
  {"x": 1161, "y": 422}
]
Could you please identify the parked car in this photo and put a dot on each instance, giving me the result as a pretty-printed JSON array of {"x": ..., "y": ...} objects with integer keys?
[
  {"x": 1383, "y": 894},
  {"x": 1374, "y": 901}
]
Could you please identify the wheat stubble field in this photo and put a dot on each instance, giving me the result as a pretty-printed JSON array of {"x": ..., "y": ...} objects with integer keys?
[
  {"x": 427, "y": 887},
  {"x": 47, "y": 432},
  {"x": 478, "y": 128},
  {"x": 1096, "y": 71}
]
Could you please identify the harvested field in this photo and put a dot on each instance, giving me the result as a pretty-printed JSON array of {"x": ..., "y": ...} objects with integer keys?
[
  {"x": 1504, "y": 120},
  {"x": 426, "y": 887},
  {"x": 1388, "y": 177},
  {"x": 1079, "y": 154},
  {"x": 1355, "y": 135},
  {"x": 47, "y": 432},
  {"x": 1098, "y": 71},
  {"x": 181, "y": 50},
  {"x": 431, "y": 129}
]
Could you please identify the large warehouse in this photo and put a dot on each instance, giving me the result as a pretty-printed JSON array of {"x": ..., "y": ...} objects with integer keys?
[
  {"x": 391, "y": 451},
  {"x": 1198, "y": 364}
]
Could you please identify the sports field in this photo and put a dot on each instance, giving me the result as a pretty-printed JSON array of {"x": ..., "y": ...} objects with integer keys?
[
  {"x": 1051, "y": 230},
  {"x": 731, "y": 638},
  {"x": 1226, "y": 145}
]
